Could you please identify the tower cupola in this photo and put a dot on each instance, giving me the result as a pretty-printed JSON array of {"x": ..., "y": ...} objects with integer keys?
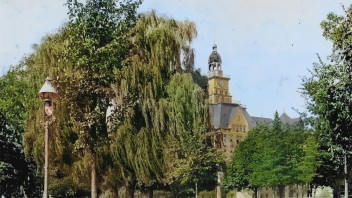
[{"x": 214, "y": 60}]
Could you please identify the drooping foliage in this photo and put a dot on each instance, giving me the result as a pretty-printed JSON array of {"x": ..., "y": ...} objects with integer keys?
[
  {"x": 128, "y": 114},
  {"x": 158, "y": 110},
  {"x": 188, "y": 158}
]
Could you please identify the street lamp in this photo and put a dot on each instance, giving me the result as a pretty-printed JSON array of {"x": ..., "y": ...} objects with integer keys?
[{"x": 47, "y": 93}]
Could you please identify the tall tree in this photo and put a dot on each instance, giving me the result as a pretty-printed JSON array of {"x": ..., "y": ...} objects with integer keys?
[
  {"x": 145, "y": 103},
  {"x": 96, "y": 48},
  {"x": 328, "y": 90},
  {"x": 19, "y": 173}
]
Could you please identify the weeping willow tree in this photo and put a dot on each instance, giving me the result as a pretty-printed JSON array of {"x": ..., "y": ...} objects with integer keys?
[
  {"x": 148, "y": 131},
  {"x": 188, "y": 157}
]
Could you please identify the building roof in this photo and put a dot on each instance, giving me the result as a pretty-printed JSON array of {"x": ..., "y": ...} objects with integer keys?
[
  {"x": 222, "y": 113},
  {"x": 262, "y": 120},
  {"x": 285, "y": 119}
]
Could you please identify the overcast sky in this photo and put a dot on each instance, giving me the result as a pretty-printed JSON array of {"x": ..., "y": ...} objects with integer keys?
[{"x": 266, "y": 45}]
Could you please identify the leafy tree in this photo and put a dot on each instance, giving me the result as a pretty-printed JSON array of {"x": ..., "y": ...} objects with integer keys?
[
  {"x": 82, "y": 58},
  {"x": 13, "y": 167},
  {"x": 19, "y": 175},
  {"x": 329, "y": 88},
  {"x": 239, "y": 170},
  {"x": 145, "y": 104},
  {"x": 193, "y": 160},
  {"x": 97, "y": 45},
  {"x": 102, "y": 57},
  {"x": 275, "y": 156},
  {"x": 44, "y": 62}
]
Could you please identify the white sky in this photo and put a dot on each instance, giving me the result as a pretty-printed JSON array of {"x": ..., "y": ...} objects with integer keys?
[{"x": 266, "y": 46}]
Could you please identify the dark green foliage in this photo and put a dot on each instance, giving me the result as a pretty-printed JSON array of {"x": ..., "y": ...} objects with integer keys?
[
  {"x": 328, "y": 92},
  {"x": 275, "y": 156},
  {"x": 18, "y": 174},
  {"x": 13, "y": 167}
]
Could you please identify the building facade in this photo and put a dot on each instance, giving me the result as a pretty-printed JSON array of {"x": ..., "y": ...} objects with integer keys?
[{"x": 230, "y": 121}]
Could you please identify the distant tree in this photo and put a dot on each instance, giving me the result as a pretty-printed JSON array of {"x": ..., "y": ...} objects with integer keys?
[
  {"x": 276, "y": 156},
  {"x": 239, "y": 170}
]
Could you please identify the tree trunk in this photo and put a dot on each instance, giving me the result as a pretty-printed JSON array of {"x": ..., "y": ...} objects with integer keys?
[
  {"x": 94, "y": 180},
  {"x": 129, "y": 190},
  {"x": 345, "y": 174},
  {"x": 255, "y": 192},
  {"x": 281, "y": 191},
  {"x": 115, "y": 192},
  {"x": 147, "y": 192},
  {"x": 150, "y": 193}
]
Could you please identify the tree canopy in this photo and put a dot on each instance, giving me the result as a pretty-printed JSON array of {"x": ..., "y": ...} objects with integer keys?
[
  {"x": 119, "y": 120},
  {"x": 274, "y": 155},
  {"x": 328, "y": 91}
]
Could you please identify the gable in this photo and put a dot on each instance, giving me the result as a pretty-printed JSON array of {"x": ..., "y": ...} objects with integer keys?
[{"x": 238, "y": 121}]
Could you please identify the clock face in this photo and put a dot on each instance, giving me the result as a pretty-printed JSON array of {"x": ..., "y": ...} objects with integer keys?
[{"x": 221, "y": 83}]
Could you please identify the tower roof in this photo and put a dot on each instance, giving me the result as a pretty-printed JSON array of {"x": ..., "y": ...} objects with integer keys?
[{"x": 214, "y": 56}]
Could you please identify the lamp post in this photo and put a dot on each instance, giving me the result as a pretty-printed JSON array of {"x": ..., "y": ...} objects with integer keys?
[{"x": 47, "y": 93}]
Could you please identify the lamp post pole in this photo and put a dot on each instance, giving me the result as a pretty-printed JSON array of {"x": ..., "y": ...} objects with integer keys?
[
  {"x": 46, "y": 165},
  {"x": 47, "y": 93}
]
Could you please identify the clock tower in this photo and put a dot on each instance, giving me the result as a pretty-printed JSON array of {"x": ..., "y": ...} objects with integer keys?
[{"x": 218, "y": 83}]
